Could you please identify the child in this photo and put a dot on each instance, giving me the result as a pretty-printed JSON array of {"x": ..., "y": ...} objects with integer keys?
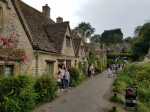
[
  {"x": 67, "y": 78},
  {"x": 59, "y": 80}
]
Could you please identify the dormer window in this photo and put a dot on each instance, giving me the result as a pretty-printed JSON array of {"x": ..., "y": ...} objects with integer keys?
[{"x": 67, "y": 41}]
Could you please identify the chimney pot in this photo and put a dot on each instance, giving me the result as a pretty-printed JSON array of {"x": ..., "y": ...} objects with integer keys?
[
  {"x": 59, "y": 20},
  {"x": 46, "y": 10}
]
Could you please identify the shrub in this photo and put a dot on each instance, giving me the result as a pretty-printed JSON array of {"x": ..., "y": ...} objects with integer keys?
[
  {"x": 139, "y": 75},
  {"x": 46, "y": 88},
  {"x": 75, "y": 76},
  {"x": 17, "y": 94},
  {"x": 116, "y": 99},
  {"x": 97, "y": 70}
]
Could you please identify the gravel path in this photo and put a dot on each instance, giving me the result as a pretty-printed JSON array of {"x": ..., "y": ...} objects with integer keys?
[{"x": 91, "y": 96}]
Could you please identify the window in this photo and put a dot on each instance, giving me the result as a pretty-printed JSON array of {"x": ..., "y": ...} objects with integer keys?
[
  {"x": 9, "y": 70},
  {"x": 68, "y": 63},
  {"x": 67, "y": 41},
  {"x": 49, "y": 68},
  {"x": 81, "y": 48}
]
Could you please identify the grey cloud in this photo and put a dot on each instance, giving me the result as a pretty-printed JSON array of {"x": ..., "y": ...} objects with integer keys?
[{"x": 110, "y": 14}]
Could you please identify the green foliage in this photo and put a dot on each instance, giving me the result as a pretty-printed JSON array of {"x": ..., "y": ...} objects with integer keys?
[
  {"x": 81, "y": 67},
  {"x": 112, "y": 55},
  {"x": 46, "y": 88},
  {"x": 95, "y": 38},
  {"x": 110, "y": 61},
  {"x": 85, "y": 30},
  {"x": 97, "y": 70},
  {"x": 111, "y": 36},
  {"x": 141, "y": 40},
  {"x": 137, "y": 75},
  {"x": 116, "y": 99},
  {"x": 129, "y": 40},
  {"x": 75, "y": 76},
  {"x": 92, "y": 58},
  {"x": 17, "y": 94}
]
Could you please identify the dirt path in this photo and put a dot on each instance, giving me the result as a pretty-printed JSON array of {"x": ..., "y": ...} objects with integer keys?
[{"x": 90, "y": 96}]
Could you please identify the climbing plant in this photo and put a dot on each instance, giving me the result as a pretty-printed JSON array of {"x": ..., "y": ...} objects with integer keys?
[{"x": 9, "y": 50}]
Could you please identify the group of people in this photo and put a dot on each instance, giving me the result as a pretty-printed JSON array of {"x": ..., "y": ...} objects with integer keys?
[
  {"x": 63, "y": 78},
  {"x": 112, "y": 70}
]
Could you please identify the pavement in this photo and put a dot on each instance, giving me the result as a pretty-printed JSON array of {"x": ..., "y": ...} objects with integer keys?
[{"x": 91, "y": 96}]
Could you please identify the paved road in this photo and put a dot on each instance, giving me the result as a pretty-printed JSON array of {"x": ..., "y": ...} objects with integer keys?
[{"x": 87, "y": 97}]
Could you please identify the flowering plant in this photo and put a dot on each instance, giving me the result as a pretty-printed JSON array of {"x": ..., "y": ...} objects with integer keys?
[{"x": 9, "y": 50}]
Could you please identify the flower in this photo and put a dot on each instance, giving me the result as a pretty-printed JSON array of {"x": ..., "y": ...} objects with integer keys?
[{"x": 10, "y": 51}]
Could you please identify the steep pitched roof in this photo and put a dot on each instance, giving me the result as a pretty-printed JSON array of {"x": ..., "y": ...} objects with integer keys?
[
  {"x": 77, "y": 42},
  {"x": 112, "y": 48},
  {"x": 36, "y": 21},
  {"x": 56, "y": 33}
]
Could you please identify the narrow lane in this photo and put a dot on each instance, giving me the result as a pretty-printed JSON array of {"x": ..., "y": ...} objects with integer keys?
[{"x": 87, "y": 97}]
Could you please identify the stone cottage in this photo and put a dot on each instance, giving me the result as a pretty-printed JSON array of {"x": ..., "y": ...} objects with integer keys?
[
  {"x": 47, "y": 43},
  {"x": 100, "y": 53},
  {"x": 80, "y": 52}
]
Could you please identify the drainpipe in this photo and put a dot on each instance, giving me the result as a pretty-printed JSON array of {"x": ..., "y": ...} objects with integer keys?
[{"x": 37, "y": 64}]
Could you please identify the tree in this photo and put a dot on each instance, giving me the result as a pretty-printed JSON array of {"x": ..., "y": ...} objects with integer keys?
[
  {"x": 85, "y": 30},
  {"x": 95, "y": 38},
  {"x": 111, "y": 36},
  {"x": 141, "y": 44},
  {"x": 137, "y": 30},
  {"x": 129, "y": 40}
]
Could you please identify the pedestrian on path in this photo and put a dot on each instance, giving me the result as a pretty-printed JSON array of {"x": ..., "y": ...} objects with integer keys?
[
  {"x": 67, "y": 79},
  {"x": 109, "y": 71},
  {"x": 62, "y": 77},
  {"x": 91, "y": 70}
]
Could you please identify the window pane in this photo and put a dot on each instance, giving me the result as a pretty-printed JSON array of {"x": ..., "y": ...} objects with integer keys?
[
  {"x": 9, "y": 70},
  {"x": 67, "y": 42},
  {"x": 49, "y": 69},
  {"x": 68, "y": 63}
]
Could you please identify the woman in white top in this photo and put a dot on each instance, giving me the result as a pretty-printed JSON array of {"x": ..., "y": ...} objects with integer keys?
[
  {"x": 62, "y": 76},
  {"x": 67, "y": 79}
]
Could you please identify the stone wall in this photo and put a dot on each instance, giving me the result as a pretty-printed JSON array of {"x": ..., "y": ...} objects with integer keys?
[
  {"x": 68, "y": 51},
  {"x": 42, "y": 62},
  {"x": 12, "y": 26}
]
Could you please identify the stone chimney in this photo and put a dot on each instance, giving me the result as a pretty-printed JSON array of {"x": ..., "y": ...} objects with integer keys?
[
  {"x": 46, "y": 10},
  {"x": 59, "y": 20}
]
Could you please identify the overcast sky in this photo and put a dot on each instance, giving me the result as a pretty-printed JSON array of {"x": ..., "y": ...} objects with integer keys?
[{"x": 101, "y": 14}]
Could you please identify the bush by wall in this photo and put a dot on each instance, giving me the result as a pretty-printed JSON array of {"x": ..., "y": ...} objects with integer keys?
[
  {"x": 75, "y": 76},
  {"x": 17, "y": 94},
  {"x": 46, "y": 88}
]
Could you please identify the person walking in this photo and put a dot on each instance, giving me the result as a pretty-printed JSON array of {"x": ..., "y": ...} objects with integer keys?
[
  {"x": 62, "y": 70},
  {"x": 67, "y": 79},
  {"x": 91, "y": 70},
  {"x": 109, "y": 71}
]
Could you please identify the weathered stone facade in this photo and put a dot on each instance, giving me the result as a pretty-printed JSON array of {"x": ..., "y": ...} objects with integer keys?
[
  {"x": 43, "y": 47},
  {"x": 11, "y": 25}
]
